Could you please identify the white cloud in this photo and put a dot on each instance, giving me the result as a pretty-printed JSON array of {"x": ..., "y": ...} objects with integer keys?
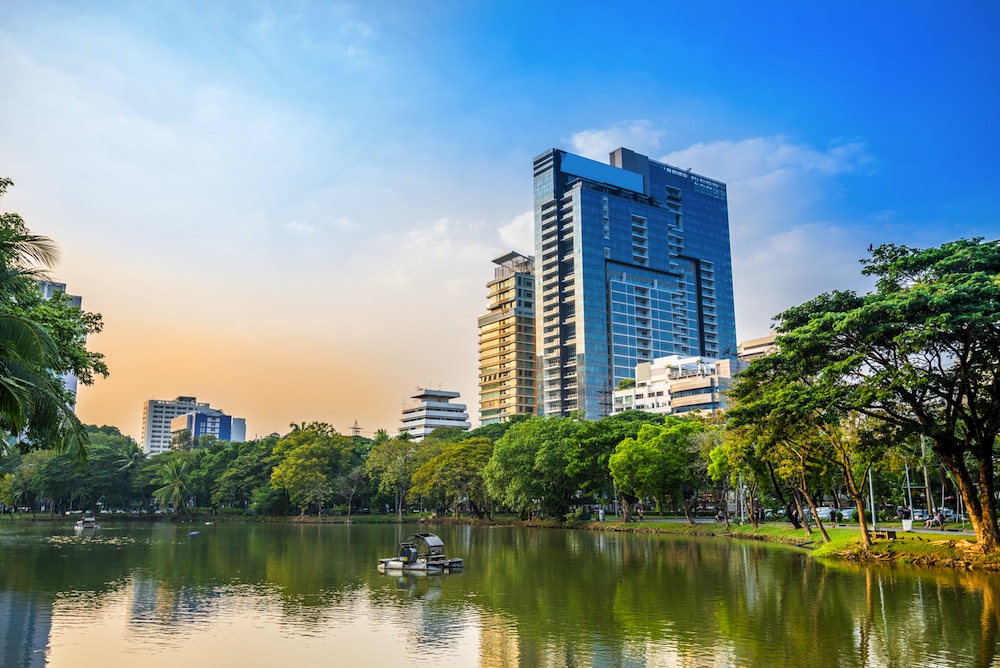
[
  {"x": 791, "y": 267},
  {"x": 785, "y": 248},
  {"x": 300, "y": 227},
  {"x": 732, "y": 161},
  {"x": 519, "y": 233},
  {"x": 640, "y": 136}
]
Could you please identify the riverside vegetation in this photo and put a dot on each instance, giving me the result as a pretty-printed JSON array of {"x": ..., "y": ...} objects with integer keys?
[{"x": 858, "y": 383}]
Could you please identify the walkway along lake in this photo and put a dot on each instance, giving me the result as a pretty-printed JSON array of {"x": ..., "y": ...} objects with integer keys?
[{"x": 310, "y": 595}]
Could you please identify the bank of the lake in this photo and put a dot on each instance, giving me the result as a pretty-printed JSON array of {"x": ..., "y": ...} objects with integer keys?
[{"x": 940, "y": 548}]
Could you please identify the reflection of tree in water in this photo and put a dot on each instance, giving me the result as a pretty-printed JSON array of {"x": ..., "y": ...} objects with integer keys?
[
  {"x": 711, "y": 601},
  {"x": 538, "y": 596}
]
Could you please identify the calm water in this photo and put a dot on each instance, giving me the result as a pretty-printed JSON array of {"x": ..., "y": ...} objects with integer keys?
[{"x": 287, "y": 595}]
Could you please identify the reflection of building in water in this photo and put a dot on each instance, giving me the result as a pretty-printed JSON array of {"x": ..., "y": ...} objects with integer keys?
[
  {"x": 152, "y": 602},
  {"x": 498, "y": 642},
  {"x": 501, "y": 646},
  {"x": 25, "y": 623}
]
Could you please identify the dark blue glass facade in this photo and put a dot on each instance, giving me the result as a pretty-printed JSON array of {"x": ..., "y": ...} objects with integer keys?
[{"x": 632, "y": 263}]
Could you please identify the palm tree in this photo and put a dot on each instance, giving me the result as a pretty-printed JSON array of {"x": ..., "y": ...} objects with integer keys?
[
  {"x": 131, "y": 458},
  {"x": 33, "y": 403},
  {"x": 176, "y": 489}
]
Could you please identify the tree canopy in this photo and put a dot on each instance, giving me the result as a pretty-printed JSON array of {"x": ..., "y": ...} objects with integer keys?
[{"x": 40, "y": 339}]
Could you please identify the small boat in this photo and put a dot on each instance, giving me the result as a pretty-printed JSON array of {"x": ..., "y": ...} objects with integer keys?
[
  {"x": 87, "y": 523},
  {"x": 421, "y": 552}
]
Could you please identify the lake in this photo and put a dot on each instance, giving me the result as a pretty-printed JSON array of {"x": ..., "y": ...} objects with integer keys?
[{"x": 309, "y": 595}]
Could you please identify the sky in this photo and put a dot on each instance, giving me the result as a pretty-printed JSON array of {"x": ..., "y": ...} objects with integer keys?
[{"x": 290, "y": 209}]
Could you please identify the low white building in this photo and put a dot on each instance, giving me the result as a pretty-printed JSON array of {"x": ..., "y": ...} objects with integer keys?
[
  {"x": 430, "y": 409},
  {"x": 676, "y": 385}
]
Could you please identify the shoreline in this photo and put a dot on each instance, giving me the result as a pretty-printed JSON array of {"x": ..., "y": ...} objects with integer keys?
[{"x": 938, "y": 549}]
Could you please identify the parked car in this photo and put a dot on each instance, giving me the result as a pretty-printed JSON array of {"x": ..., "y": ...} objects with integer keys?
[{"x": 848, "y": 513}]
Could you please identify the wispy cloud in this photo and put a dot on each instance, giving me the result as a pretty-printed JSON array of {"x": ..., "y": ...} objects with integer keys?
[
  {"x": 301, "y": 228},
  {"x": 641, "y": 136}
]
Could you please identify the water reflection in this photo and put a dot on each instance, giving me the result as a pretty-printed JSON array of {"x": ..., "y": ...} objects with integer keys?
[{"x": 301, "y": 595}]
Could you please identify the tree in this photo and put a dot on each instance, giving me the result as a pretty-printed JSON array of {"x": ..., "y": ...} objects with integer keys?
[
  {"x": 528, "y": 467},
  {"x": 309, "y": 458},
  {"x": 243, "y": 476},
  {"x": 349, "y": 483},
  {"x": 38, "y": 342},
  {"x": 587, "y": 458},
  {"x": 785, "y": 406},
  {"x": 657, "y": 463},
  {"x": 392, "y": 461},
  {"x": 181, "y": 440},
  {"x": 920, "y": 354},
  {"x": 456, "y": 473},
  {"x": 173, "y": 478}
]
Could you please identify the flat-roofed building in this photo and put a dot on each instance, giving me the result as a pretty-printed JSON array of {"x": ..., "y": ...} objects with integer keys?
[
  {"x": 158, "y": 428},
  {"x": 632, "y": 263},
  {"x": 751, "y": 349},
  {"x": 210, "y": 422},
  {"x": 430, "y": 409},
  {"x": 674, "y": 385},
  {"x": 507, "y": 381}
]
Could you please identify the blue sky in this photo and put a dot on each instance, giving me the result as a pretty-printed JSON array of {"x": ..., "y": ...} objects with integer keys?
[{"x": 290, "y": 209}]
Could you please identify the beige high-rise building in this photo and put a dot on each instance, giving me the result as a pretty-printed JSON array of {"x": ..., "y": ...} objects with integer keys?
[{"x": 507, "y": 366}]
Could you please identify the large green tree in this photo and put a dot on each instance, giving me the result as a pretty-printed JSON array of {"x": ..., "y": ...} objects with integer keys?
[
  {"x": 921, "y": 354},
  {"x": 658, "y": 463},
  {"x": 309, "y": 459},
  {"x": 456, "y": 473},
  {"x": 528, "y": 467},
  {"x": 249, "y": 472},
  {"x": 587, "y": 457},
  {"x": 392, "y": 462}
]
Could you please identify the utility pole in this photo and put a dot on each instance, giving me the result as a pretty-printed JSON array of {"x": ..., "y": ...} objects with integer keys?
[{"x": 871, "y": 493}]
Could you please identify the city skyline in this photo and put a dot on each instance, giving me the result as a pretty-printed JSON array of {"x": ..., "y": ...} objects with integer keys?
[{"x": 290, "y": 210}]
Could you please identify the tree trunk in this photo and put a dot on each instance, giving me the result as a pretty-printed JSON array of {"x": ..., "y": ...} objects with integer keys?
[
  {"x": 798, "y": 507},
  {"x": 978, "y": 503},
  {"x": 687, "y": 511},
  {"x": 855, "y": 493},
  {"x": 812, "y": 506},
  {"x": 859, "y": 502},
  {"x": 628, "y": 502},
  {"x": 748, "y": 503},
  {"x": 781, "y": 499}
]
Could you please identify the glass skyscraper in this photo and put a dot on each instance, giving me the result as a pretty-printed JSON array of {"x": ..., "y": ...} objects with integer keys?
[{"x": 632, "y": 262}]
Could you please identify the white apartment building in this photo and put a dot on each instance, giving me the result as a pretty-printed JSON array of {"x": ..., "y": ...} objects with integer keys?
[
  {"x": 157, "y": 415},
  {"x": 676, "y": 385},
  {"x": 430, "y": 409}
]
